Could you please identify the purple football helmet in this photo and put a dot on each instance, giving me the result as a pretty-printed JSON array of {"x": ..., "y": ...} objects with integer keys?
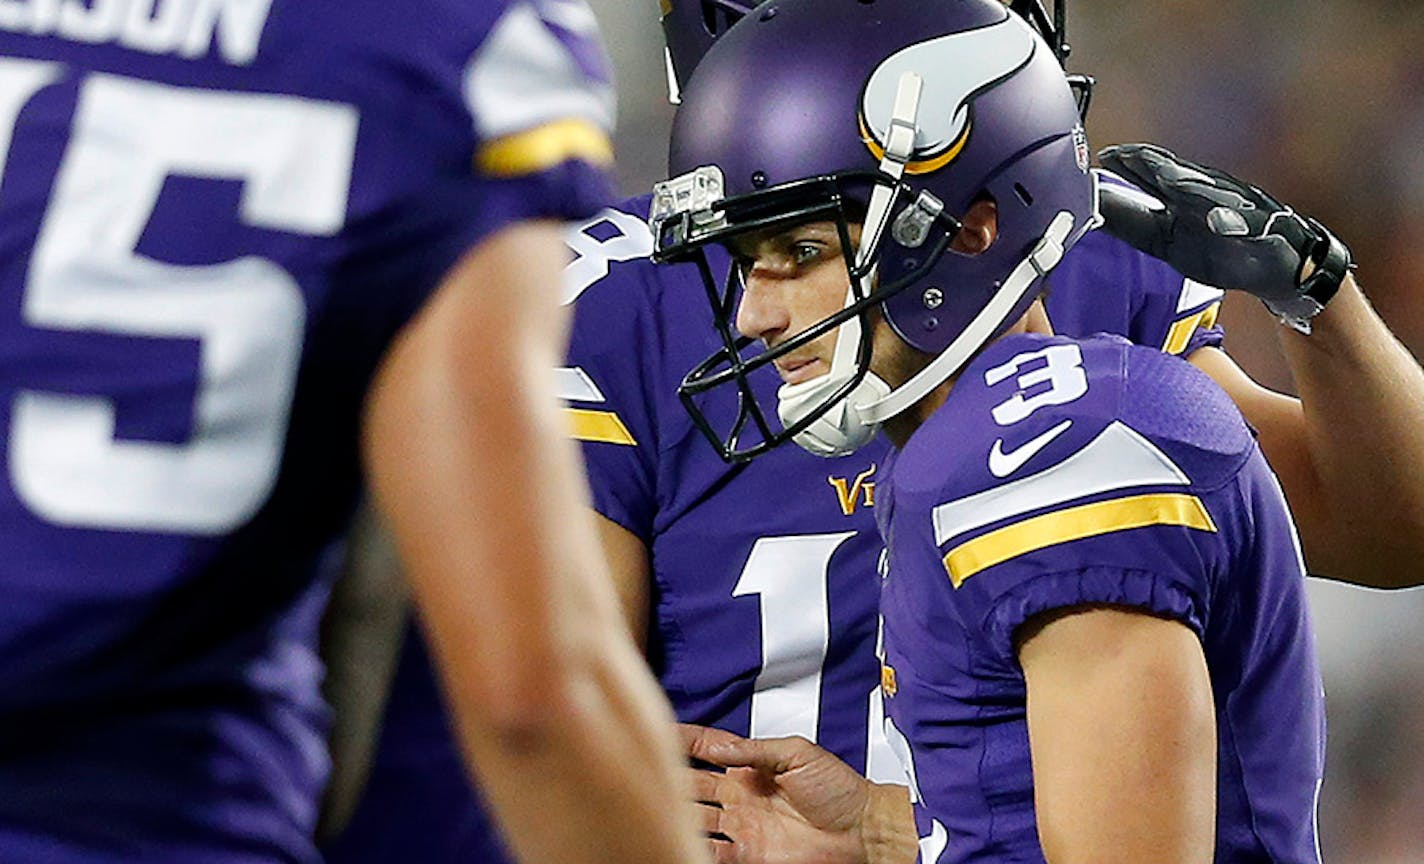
[
  {"x": 1055, "y": 33},
  {"x": 691, "y": 26},
  {"x": 899, "y": 115}
]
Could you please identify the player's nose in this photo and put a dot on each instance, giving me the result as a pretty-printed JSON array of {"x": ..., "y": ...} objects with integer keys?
[{"x": 762, "y": 312}]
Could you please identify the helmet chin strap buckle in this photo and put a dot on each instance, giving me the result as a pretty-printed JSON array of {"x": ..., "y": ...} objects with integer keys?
[
  {"x": 900, "y": 137},
  {"x": 1049, "y": 251},
  {"x": 912, "y": 227},
  {"x": 990, "y": 320},
  {"x": 899, "y": 147}
]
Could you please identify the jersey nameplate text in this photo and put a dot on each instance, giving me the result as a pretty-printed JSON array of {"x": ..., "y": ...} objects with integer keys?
[{"x": 187, "y": 28}]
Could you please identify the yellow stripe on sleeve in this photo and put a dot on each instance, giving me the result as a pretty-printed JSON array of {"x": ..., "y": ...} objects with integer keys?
[
  {"x": 1181, "y": 333},
  {"x": 600, "y": 426},
  {"x": 1208, "y": 316},
  {"x": 1075, "y": 523},
  {"x": 543, "y": 147}
]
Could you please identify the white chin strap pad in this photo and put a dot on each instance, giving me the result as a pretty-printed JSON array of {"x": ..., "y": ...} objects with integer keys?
[{"x": 842, "y": 429}]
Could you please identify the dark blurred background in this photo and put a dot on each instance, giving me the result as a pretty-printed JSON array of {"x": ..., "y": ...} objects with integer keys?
[{"x": 1322, "y": 103}]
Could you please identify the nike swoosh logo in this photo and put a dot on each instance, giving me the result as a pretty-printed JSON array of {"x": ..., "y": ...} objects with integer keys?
[{"x": 1003, "y": 464}]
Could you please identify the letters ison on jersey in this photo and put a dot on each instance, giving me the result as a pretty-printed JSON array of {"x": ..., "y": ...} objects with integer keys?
[{"x": 186, "y": 28}]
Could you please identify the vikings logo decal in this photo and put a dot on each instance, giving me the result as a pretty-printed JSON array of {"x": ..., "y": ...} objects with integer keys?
[{"x": 955, "y": 69}]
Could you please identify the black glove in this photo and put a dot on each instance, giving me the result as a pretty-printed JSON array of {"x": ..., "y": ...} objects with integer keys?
[{"x": 1220, "y": 231}]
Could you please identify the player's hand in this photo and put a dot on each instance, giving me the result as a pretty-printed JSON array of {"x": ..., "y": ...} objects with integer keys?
[
  {"x": 779, "y": 801},
  {"x": 1221, "y": 231}
]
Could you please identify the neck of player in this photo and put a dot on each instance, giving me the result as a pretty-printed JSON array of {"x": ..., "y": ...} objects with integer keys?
[{"x": 904, "y": 362}]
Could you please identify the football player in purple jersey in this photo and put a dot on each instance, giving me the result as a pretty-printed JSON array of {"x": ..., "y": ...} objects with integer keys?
[
  {"x": 1359, "y": 387},
  {"x": 747, "y": 583},
  {"x": 1095, "y": 639},
  {"x": 217, "y": 219}
]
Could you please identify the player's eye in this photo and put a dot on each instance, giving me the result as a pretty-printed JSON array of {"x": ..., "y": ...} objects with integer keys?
[{"x": 805, "y": 252}]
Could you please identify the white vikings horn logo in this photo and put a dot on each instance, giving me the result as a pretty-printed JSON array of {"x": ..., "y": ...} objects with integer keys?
[{"x": 955, "y": 69}]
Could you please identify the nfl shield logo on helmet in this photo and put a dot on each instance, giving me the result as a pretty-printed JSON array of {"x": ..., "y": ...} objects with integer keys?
[{"x": 1080, "y": 148}]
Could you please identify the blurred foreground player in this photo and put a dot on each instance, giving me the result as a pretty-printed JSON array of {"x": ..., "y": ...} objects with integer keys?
[
  {"x": 215, "y": 218},
  {"x": 1095, "y": 639}
]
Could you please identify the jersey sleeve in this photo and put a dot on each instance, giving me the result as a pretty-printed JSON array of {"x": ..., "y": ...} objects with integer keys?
[
  {"x": 1104, "y": 285},
  {"x": 1130, "y": 514},
  {"x": 529, "y": 112},
  {"x": 609, "y": 376},
  {"x": 1168, "y": 311},
  {"x": 1192, "y": 324},
  {"x": 540, "y": 97}
]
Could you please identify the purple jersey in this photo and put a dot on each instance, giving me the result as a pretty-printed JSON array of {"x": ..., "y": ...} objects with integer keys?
[
  {"x": 765, "y": 574},
  {"x": 764, "y": 584},
  {"x": 1061, "y": 473},
  {"x": 214, "y": 216}
]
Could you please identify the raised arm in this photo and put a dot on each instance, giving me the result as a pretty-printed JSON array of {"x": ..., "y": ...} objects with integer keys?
[
  {"x": 1352, "y": 446},
  {"x": 567, "y": 732}
]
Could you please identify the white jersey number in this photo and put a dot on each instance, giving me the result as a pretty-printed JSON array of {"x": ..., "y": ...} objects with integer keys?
[
  {"x": 294, "y": 158},
  {"x": 1058, "y": 381},
  {"x": 593, "y": 255},
  {"x": 790, "y": 575}
]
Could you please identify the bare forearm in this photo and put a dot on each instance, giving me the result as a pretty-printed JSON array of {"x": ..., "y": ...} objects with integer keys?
[
  {"x": 1362, "y": 394},
  {"x": 630, "y": 568},
  {"x": 566, "y": 731},
  {"x": 584, "y": 784}
]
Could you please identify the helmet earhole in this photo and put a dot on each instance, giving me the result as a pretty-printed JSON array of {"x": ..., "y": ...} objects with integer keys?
[{"x": 759, "y": 179}]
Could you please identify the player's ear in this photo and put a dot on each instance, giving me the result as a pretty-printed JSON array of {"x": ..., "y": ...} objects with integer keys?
[{"x": 980, "y": 228}]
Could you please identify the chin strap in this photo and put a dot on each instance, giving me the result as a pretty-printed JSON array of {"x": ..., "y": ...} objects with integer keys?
[
  {"x": 990, "y": 320},
  {"x": 843, "y": 429},
  {"x": 899, "y": 147}
]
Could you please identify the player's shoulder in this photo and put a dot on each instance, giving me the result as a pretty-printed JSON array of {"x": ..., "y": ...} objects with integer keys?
[
  {"x": 1099, "y": 255},
  {"x": 637, "y": 327},
  {"x": 539, "y": 86},
  {"x": 610, "y": 252},
  {"x": 1105, "y": 285},
  {"x": 1057, "y": 418}
]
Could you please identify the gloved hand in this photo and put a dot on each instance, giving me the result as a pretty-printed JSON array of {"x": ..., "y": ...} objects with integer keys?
[{"x": 1222, "y": 231}]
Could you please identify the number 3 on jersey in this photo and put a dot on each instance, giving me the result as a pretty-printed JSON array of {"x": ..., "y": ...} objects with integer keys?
[
  {"x": 294, "y": 158},
  {"x": 1058, "y": 381}
]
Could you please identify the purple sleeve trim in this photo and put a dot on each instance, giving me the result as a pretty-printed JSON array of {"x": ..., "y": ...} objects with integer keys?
[{"x": 1151, "y": 592}]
